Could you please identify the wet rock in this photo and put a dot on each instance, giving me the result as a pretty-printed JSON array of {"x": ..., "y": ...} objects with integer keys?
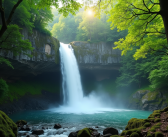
[
  {"x": 38, "y": 132},
  {"x": 95, "y": 134},
  {"x": 96, "y": 127},
  {"x": 25, "y": 128},
  {"x": 110, "y": 130},
  {"x": 145, "y": 107},
  {"x": 57, "y": 126},
  {"x": 139, "y": 94},
  {"x": 73, "y": 134},
  {"x": 32, "y": 136},
  {"x": 107, "y": 135},
  {"x": 20, "y": 123}
]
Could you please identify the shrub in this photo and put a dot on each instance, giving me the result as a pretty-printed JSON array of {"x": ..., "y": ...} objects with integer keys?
[
  {"x": 134, "y": 134},
  {"x": 158, "y": 134},
  {"x": 3, "y": 87}
]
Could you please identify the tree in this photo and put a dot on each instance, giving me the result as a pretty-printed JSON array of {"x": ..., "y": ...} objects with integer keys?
[
  {"x": 12, "y": 42},
  {"x": 146, "y": 21},
  {"x": 67, "y": 6},
  {"x": 136, "y": 71},
  {"x": 159, "y": 76}
]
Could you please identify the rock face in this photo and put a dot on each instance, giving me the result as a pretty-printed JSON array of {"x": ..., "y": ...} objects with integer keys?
[
  {"x": 147, "y": 100},
  {"x": 97, "y": 55},
  {"x": 39, "y": 62},
  {"x": 30, "y": 102}
]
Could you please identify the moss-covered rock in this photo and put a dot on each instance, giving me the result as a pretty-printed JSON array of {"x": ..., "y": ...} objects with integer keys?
[
  {"x": 135, "y": 123},
  {"x": 157, "y": 120},
  {"x": 158, "y": 134},
  {"x": 134, "y": 134},
  {"x": 21, "y": 122},
  {"x": 147, "y": 124},
  {"x": 86, "y": 132},
  {"x": 7, "y": 127}
]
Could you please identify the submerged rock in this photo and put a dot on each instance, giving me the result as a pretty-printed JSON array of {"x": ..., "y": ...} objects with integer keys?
[
  {"x": 38, "y": 132},
  {"x": 73, "y": 134},
  {"x": 57, "y": 126},
  {"x": 110, "y": 130}
]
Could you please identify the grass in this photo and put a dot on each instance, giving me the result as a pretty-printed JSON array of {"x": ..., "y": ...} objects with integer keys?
[{"x": 20, "y": 88}]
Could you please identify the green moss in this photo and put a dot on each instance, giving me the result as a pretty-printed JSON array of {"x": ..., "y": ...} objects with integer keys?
[
  {"x": 135, "y": 123},
  {"x": 123, "y": 133},
  {"x": 150, "y": 96},
  {"x": 158, "y": 134},
  {"x": 129, "y": 132},
  {"x": 86, "y": 132},
  {"x": 7, "y": 127},
  {"x": 149, "y": 134},
  {"x": 157, "y": 120},
  {"x": 147, "y": 124},
  {"x": 167, "y": 127},
  {"x": 134, "y": 134},
  {"x": 152, "y": 129}
]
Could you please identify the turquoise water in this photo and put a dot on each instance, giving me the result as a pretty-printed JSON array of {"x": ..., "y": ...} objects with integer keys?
[{"x": 73, "y": 122}]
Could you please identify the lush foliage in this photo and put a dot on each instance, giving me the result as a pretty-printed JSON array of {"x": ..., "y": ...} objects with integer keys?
[
  {"x": 159, "y": 76},
  {"x": 83, "y": 27},
  {"x": 144, "y": 23},
  {"x": 3, "y": 88},
  {"x": 136, "y": 71}
]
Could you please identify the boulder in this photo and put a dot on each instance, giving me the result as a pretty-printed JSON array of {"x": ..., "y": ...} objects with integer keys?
[
  {"x": 86, "y": 132},
  {"x": 7, "y": 127},
  {"x": 19, "y": 123},
  {"x": 32, "y": 136},
  {"x": 150, "y": 97},
  {"x": 73, "y": 134},
  {"x": 57, "y": 126},
  {"x": 139, "y": 94},
  {"x": 38, "y": 132},
  {"x": 95, "y": 134},
  {"x": 110, "y": 130},
  {"x": 25, "y": 128}
]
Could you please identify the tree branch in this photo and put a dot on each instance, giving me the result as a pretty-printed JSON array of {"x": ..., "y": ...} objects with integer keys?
[{"x": 12, "y": 11}]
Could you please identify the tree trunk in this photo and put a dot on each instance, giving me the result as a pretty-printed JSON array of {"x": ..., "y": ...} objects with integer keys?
[{"x": 164, "y": 14}]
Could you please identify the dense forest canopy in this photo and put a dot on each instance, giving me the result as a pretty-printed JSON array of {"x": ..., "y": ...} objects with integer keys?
[
  {"x": 83, "y": 27},
  {"x": 138, "y": 28}
]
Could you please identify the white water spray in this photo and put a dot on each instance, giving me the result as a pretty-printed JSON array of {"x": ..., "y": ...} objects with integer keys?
[{"x": 73, "y": 98}]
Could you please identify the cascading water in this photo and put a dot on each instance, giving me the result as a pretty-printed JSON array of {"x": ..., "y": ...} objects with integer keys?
[
  {"x": 73, "y": 99},
  {"x": 71, "y": 83}
]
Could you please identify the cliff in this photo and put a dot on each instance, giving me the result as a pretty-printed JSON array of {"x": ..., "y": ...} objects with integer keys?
[
  {"x": 96, "y": 55},
  {"x": 39, "y": 62}
]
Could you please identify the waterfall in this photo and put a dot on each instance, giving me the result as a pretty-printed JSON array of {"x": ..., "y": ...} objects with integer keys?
[
  {"x": 73, "y": 99},
  {"x": 71, "y": 82}
]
